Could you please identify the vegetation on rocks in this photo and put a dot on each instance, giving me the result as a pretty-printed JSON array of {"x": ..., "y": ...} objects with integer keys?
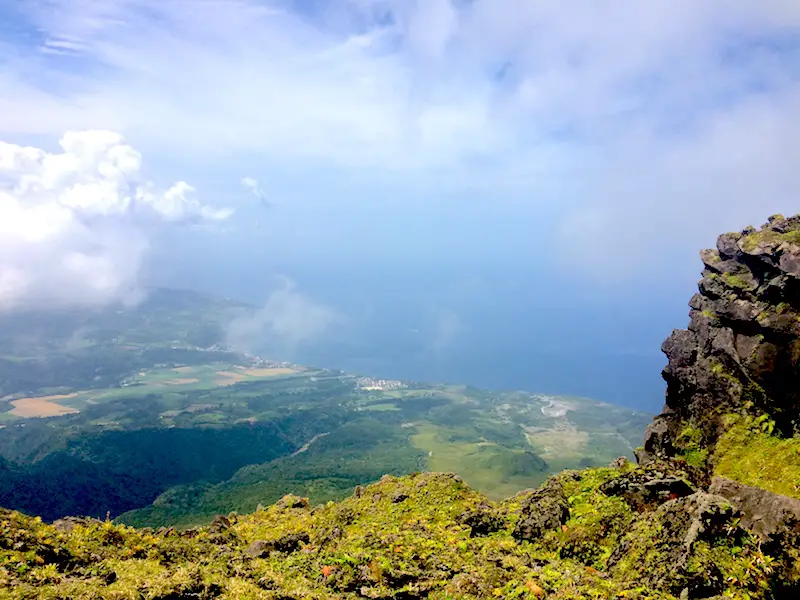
[
  {"x": 711, "y": 510},
  {"x": 582, "y": 535},
  {"x": 748, "y": 452},
  {"x": 739, "y": 358}
]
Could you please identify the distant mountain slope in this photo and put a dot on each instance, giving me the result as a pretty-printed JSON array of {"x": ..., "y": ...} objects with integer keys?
[
  {"x": 96, "y": 348},
  {"x": 112, "y": 410}
]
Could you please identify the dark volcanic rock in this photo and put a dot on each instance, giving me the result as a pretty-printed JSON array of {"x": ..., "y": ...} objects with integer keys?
[
  {"x": 287, "y": 543},
  {"x": 541, "y": 510},
  {"x": 292, "y": 501},
  {"x": 675, "y": 528},
  {"x": 482, "y": 520},
  {"x": 657, "y": 439},
  {"x": 764, "y": 513},
  {"x": 741, "y": 350},
  {"x": 644, "y": 490}
]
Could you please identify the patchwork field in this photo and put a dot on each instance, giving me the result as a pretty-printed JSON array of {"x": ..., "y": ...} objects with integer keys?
[
  {"x": 176, "y": 386},
  {"x": 44, "y": 406},
  {"x": 560, "y": 441},
  {"x": 254, "y": 433},
  {"x": 148, "y": 410},
  {"x": 206, "y": 376}
]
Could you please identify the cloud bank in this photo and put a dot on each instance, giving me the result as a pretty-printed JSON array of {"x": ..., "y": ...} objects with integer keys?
[
  {"x": 614, "y": 121},
  {"x": 75, "y": 225},
  {"x": 287, "y": 320}
]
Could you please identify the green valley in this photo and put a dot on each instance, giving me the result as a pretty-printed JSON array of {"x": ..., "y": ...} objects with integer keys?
[{"x": 152, "y": 428}]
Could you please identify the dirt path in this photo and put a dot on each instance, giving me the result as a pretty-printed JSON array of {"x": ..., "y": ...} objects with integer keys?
[{"x": 307, "y": 445}]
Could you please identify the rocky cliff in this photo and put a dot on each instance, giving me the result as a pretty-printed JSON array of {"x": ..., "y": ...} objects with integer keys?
[
  {"x": 712, "y": 510},
  {"x": 737, "y": 365}
]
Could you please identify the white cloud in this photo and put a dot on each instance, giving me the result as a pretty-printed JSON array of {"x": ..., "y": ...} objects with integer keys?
[
  {"x": 631, "y": 119},
  {"x": 252, "y": 186},
  {"x": 75, "y": 225},
  {"x": 287, "y": 320},
  {"x": 447, "y": 327}
]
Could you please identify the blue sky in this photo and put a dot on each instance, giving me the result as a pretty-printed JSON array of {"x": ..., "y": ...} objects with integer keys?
[{"x": 592, "y": 147}]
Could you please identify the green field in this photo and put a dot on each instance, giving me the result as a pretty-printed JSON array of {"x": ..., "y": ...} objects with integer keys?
[
  {"x": 496, "y": 469},
  {"x": 135, "y": 417}
]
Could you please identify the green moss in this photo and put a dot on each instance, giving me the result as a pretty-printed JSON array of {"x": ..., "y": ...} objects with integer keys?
[
  {"x": 596, "y": 523},
  {"x": 768, "y": 237},
  {"x": 737, "y": 282},
  {"x": 657, "y": 550},
  {"x": 690, "y": 446},
  {"x": 749, "y": 454},
  {"x": 690, "y": 436},
  {"x": 718, "y": 369}
]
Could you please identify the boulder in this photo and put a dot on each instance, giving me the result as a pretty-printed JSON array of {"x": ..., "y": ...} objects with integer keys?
[
  {"x": 619, "y": 463},
  {"x": 764, "y": 513},
  {"x": 541, "y": 510},
  {"x": 482, "y": 520},
  {"x": 288, "y": 543},
  {"x": 219, "y": 524},
  {"x": 645, "y": 490},
  {"x": 657, "y": 440},
  {"x": 292, "y": 501},
  {"x": 68, "y": 524}
]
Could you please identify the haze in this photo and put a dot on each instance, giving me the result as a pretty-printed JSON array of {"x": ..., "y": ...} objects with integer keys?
[{"x": 505, "y": 193}]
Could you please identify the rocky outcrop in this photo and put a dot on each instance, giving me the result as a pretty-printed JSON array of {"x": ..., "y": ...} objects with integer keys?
[
  {"x": 219, "y": 524},
  {"x": 741, "y": 350},
  {"x": 482, "y": 520},
  {"x": 766, "y": 514},
  {"x": 542, "y": 510},
  {"x": 68, "y": 524},
  {"x": 291, "y": 501},
  {"x": 684, "y": 529},
  {"x": 643, "y": 489}
]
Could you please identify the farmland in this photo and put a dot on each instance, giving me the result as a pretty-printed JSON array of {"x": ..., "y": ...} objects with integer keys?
[{"x": 154, "y": 429}]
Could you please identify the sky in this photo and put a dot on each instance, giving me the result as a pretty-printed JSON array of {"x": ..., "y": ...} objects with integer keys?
[{"x": 509, "y": 193}]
